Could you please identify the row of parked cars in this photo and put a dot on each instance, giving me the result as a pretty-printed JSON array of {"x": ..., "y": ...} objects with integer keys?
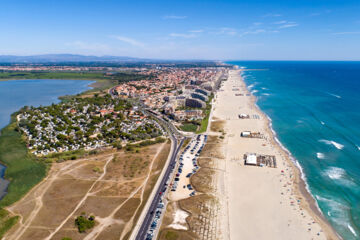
[
  {"x": 154, "y": 224},
  {"x": 174, "y": 185},
  {"x": 195, "y": 151}
]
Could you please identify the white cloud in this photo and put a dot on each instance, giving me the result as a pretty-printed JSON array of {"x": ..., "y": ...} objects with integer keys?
[
  {"x": 272, "y": 15},
  {"x": 289, "y": 25},
  {"x": 257, "y": 23},
  {"x": 345, "y": 33},
  {"x": 257, "y": 31},
  {"x": 130, "y": 41},
  {"x": 174, "y": 17},
  {"x": 196, "y": 31},
  {"x": 226, "y": 31},
  {"x": 280, "y": 22},
  {"x": 183, "y": 35}
]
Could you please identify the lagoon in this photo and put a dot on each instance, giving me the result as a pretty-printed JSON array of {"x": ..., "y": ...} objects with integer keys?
[{"x": 15, "y": 94}]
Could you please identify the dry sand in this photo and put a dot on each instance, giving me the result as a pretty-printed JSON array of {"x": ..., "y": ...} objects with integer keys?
[{"x": 260, "y": 202}]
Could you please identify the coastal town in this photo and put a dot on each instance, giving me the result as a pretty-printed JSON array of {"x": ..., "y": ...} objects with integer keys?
[
  {"x": 182, "y": 95},
  {"x": 87, "y": 123}
]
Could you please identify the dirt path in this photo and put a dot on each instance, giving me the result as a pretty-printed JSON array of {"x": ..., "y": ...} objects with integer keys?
[
  {"x": 44, "y": 186},
  {"x": 81, "y": 201},
  {"x": 130, "y": 222},
  {"x": 109, "y": 220}
]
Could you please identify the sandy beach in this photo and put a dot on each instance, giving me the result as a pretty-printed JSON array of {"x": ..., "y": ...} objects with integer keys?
[{"x": 260, "y": 202}]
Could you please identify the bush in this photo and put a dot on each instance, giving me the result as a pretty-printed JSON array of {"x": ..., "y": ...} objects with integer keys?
[{"x": 83, "y": 223}]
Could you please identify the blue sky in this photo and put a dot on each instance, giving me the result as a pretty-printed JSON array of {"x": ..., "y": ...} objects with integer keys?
[{"x": 170, "y": 29}]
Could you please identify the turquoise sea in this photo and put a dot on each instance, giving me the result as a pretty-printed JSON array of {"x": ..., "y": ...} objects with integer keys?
[
  {"x": 315, "y": 112},
  {"x": 15, "y": 94}
]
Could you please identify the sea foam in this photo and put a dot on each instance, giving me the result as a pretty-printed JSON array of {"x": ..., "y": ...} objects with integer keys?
[
  {"x": 335, "y": 172},
  {"x": 334, "y": 95},
  {"x": 320, "y": 155},
  {"x": 335, "y": 144}
]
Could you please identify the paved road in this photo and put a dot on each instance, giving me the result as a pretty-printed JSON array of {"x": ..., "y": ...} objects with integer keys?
[
  {"x": 175, "y": 136},
  {"x": 155, "y": 202}
]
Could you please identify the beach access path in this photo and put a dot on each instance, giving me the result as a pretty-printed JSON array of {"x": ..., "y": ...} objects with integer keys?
[{"x": 259, "y": 202}]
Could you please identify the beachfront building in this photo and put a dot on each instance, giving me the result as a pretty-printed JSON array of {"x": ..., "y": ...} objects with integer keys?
[
  {"x": 203, "y": 91},
  {"x": 199, "y": 96},
  {"x": 195, "y": 103}
]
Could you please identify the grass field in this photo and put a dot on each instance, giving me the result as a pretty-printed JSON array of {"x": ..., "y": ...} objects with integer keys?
[
  {"x": 23, "y": 172},
  {"x": 189, "y": 127},
  {"x": 205, "y": 120}
]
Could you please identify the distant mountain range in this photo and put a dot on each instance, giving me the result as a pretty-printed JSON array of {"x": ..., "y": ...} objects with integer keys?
[{"x": 58, "y": 58}]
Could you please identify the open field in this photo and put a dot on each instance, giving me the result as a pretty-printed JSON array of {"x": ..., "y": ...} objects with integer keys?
[
  {"x": 112, "y": 186},
  {"x": 189, "y": 127}
]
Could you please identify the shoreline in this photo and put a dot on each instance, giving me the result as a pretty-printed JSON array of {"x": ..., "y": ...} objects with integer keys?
[
  {"x": 301, "y": 185},
  {"x": 302, "y": 211}
]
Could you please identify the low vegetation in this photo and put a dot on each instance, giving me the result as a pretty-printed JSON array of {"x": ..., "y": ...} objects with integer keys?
[
  {"x": 205, "y": 120},
  {"x": 189, "y": 127},
  {"x": 84, "y": 222},
  {"x": 23, "y": 169}
]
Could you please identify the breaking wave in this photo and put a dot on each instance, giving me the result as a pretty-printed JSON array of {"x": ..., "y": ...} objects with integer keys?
[
  {"x": 334, "y": 95},
  {"x": 335, "y": 172},
  {"x": 335, "y": 144},
  {"x": 320, "y": 155}
]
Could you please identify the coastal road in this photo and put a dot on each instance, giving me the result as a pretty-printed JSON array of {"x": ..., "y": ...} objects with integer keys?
[
  {"x": 141, "y": 235},
  {"x": 177, "y": 140}
]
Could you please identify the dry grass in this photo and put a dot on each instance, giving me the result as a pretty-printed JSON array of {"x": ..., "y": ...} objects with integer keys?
[
  {"x": 217, "y": 126},
  {"x": 104, "y": 191},
  {"x": 203, "y": 180}
]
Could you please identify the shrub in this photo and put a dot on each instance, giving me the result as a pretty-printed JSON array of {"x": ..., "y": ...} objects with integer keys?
[{"x": 83, "y": 223}]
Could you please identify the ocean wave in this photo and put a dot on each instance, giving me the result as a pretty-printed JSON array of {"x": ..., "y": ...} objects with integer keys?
[
  {"x": 335, "y": 144},
  {"x": 251, "y": 86},
  {"x": 266, "y": 94},
  {"x": 340, "y": 175},
  {"x": 335, "y": 173},
  {"x": 339, "y": 213},
  {"x": 254, "y": 91},
  {"x": 264, "y": 88},
  {"x": 320, "y": 155},
  {"x": 358, "y": 147},
  {"x": 322, "y": 123},
  {"x": 334, "y": 95},
  {"x": 352, "y": 230}
]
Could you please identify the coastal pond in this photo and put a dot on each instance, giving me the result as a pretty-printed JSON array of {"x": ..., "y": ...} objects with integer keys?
[{"x": 15, "y": 94}]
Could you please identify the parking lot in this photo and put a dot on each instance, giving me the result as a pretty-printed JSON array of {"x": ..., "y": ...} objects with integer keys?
[
  {"x": 181, "y": 187},
  {"x": 178, "y": 187}
]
